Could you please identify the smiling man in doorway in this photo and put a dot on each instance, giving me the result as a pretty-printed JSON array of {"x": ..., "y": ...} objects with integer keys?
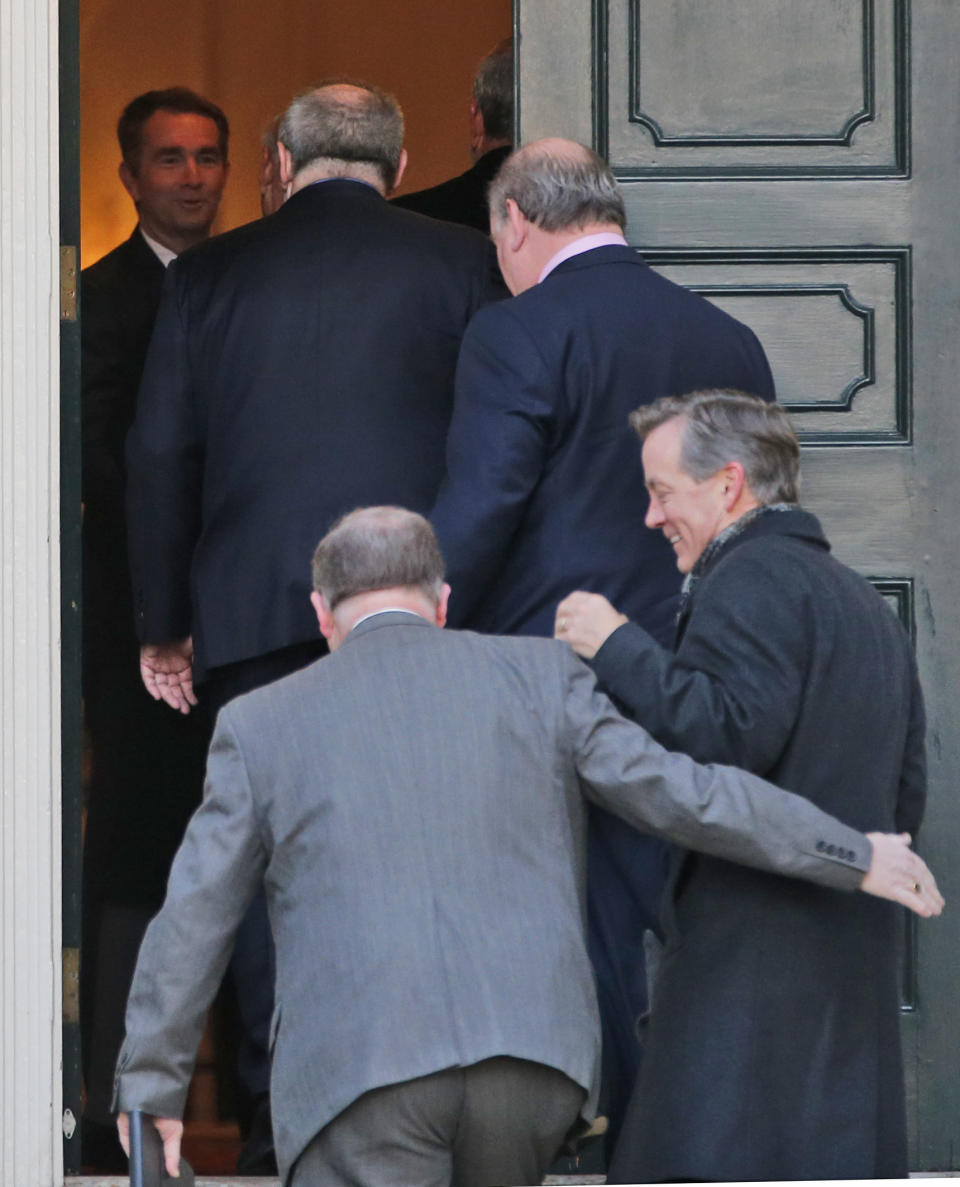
[{"x": 147, "y": 764}]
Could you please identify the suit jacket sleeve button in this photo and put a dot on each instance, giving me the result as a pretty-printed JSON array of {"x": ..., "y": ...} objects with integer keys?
[
  {"x": 821, "y": 845},
  {"x": 831, "y": 850}
]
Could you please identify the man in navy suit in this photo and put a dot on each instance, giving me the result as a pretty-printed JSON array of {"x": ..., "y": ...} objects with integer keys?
[
  {"x": 301, "y": 366},
  {"x": 544, "y": 487}
]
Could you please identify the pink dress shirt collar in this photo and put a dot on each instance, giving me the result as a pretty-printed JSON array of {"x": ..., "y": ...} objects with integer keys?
[{"x": 586, "y": 243}]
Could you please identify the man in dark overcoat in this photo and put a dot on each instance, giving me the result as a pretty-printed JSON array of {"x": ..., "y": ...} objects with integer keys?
[{"x": 774, "y": 1041}]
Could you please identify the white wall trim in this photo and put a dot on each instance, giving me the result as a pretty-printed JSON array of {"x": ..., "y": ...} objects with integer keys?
[{"x": 30, "y": 1058}]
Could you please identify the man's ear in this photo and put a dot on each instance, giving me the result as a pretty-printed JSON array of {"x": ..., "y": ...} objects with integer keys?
[
  {"x": 518, "y": 226},
  {"x": 129, "y": 182},
  {"x": 285, "y": 158},
  {"x": 324, "y": 615},
  {"x": 401, "y": 169},
  {"x": 733, "y": 482},
  {"x": 477, "y": 130},
  {"x": 442, "y": 603}
]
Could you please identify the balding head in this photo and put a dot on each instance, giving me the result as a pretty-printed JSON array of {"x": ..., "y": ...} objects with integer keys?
[
  {"x": 559, "y": 186},
  {"x": 344, "y": 129},
  {"x": 377, "y": 558},
  {"x": 375, "y": 548}
]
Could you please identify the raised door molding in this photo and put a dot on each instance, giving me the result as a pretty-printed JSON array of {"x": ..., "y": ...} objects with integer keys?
[{"x": 828, "y": 95}]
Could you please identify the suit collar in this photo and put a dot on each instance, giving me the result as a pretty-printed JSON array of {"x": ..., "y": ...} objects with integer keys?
[
  {"x": 139, "y": 251},
  {"x": 795, "y": 522},
  {"x": 330, "y": 190},
  {"x": 489, "y": 164},
  {"x": 613, "y": 254},
  {"x": 387, "y": 618},
  {"x": 163, "y": 254}
]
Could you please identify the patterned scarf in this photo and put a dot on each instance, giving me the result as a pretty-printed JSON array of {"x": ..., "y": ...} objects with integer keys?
[{"x": 716, "y": 546}]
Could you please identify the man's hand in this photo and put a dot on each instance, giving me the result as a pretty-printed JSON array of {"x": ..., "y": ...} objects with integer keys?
[
  {"x": 170, "y": 1130},
  {"x": 586, "y": 621},
  {"x": 167, "y": 672},
  {"x": 898, "y": 874}
]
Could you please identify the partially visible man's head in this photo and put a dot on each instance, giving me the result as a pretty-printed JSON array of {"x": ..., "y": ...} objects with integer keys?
[
  {"x": 546, "y": 195},
  {"x": 376, "y": 548},
  {"x": 558, "y": 185},
  {"x": 342, "y": 126},
  {"x": 708, "y": 458},
  {"x": 174, "y": 145},
  {"x": 271, "y": 185},
  {"x": 493, "y": 100}
]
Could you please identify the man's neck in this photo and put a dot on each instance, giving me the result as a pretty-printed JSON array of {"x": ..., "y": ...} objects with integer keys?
[
  {"x": 337, "y": 171},
  {"x": 487, "y": 144},
  {"x": 163, "y": 254},
  {"x": 351, "y": 610},
  {"x": 551, "y": 244},
  {"x": 172, "y": 241}
]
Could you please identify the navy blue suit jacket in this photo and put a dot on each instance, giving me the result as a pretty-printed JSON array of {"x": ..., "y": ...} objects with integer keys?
[
  {"x": 300, "y": 366},
  {"x": 544, "y": 489},
  {"x": 544, "y": 494}
]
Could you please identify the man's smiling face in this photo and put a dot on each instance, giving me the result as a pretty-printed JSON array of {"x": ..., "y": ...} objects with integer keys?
[
  {"x": 180, "y": 177},
  {"x": 688, "y": 512}
]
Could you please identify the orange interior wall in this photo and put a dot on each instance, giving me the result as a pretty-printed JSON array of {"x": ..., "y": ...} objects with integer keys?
[{"x": 252, "y": 58}]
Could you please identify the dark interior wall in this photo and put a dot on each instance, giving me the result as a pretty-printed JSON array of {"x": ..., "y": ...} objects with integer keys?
[{"x": 251, "y": 59}]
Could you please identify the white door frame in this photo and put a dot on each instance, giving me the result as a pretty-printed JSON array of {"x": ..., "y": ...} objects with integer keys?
[{"x": 30, "y": 943}]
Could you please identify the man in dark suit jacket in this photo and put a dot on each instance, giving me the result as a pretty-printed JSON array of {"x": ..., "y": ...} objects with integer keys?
[
  {"x": 147, "y": 765},
  {"x": 424, "y": 864},
  {"x": 463, "y": 199},
  {"x": 544, "y": 486},
  {"x": 774, "y": 1048},
  {"x": 300, "y": 366}
]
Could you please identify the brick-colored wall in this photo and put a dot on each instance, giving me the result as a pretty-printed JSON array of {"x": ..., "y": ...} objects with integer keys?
[{"x": 251, "y": 59}]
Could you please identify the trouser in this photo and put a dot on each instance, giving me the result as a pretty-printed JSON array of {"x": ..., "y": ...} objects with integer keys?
[
  {"x": 146, "y": 781},
  {"x": 498, "y": 1122},
  {"x": 253, "y": 965}
]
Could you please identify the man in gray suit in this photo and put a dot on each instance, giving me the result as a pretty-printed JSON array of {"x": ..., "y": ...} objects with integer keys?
[{"x": 413, "y": 804}]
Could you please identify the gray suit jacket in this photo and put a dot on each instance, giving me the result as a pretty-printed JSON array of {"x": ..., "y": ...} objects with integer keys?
[{"x": 414, "y": 805}]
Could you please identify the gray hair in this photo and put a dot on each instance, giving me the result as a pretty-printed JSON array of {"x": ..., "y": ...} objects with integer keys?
[
  {"x": 731, "y": 426},
  {"x": 377, "y": 548},
  {"x": 493, "y": 91},
  {"x": 328, "y": 123},
  {"x": 270, "y": 136},
  {"x": 557, "y": 190}
]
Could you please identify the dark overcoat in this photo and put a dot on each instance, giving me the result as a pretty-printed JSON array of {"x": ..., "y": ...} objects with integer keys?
[{"x": 774, "y": 1045}]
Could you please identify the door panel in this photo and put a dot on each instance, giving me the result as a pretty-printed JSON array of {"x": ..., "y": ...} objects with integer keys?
[
  {"x": 798, "y": 163},
  {"x": 759, "y": 89}
]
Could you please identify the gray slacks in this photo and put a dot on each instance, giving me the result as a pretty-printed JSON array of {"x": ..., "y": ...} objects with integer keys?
[{"x": 498, "y": 1123}]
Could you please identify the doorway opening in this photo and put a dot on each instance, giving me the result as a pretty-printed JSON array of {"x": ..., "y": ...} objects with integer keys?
[{"x": 250, "y": 62}]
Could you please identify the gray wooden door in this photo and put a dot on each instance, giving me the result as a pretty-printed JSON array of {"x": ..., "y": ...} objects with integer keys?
[{"x": 798, "y": 161}]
